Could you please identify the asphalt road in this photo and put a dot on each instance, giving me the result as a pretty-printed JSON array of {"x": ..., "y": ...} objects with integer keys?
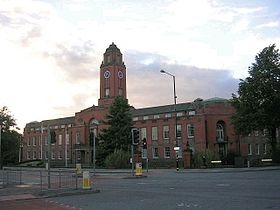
[{"x": 184, "y": 190}]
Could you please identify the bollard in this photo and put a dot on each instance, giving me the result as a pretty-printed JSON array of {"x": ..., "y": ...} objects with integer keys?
[{"x": 86, "y": 180}]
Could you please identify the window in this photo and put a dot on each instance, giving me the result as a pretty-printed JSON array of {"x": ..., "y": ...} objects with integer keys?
[
  {"x": 154, "y": 133},
  {"x": 120, "y": 91},
  {"x": 249, "y": 149},
  {"x": 28, "y": 155},
  {"x": 67, "y": 138},
  {"x": 145, "y": 117},
  {"x": 34, "y": 155},
  {"x": 156, "y": 116},
  {"x": 190, "y": 130},
  {"x": 34, "y": 140},
  {"x": 165, "y": 132},
  {"x": 179, "y": 114},
  {"x": 166, "y": 152},
  {"x": 46, "y": 140},
  {"x": 134, "y": 118},
  {"x": 60, "y": 139},
  {"x": 46, "y": 154},
  {"x": 78, "y": 138},
  {"x": 219, "y": 133},
  {"x": 191, "y": 113},
  {"x": 257, "y": 149},
  {"x": 60, "y": 154},
  {"x": 167, "y": 115},
  {"x": 52, "y": 154},
  {"x": 39, "y": 140},
  {"x": 179, "y": 131},
  {"x": 144, "y": 153},
  {"x": 264, "y": 149},
  {"x": 155, "y": 152},
  {"x": 107, "y": 92},
  {"x": 28, "y": 142},
  {"x": 143, "y": 133}
]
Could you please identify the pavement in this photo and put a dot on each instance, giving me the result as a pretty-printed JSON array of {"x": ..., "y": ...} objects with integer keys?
[{"x": 29, "y": 191}]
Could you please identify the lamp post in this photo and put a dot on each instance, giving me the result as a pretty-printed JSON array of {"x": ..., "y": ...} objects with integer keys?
[{"x": 176, "y": 148}]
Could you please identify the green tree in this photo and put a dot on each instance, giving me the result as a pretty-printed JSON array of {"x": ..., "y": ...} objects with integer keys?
[
  {"x": 10, "y": 138},
  {"x": 258, "y": 101},
  {"x": 117, "y": 135}
]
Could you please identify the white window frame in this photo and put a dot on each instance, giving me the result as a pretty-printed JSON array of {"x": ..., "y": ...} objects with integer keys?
[
  {"x": 155, "y": 152},
  {"x": 145, "y": 117},
  {"x": 249, "y": 149},
  {"x": 257, "y": 149},
  {"x": 60, "y": 139},
  {"x": 34, "y": 140},
  {"x": 179, "y": 131},
  {"x": 165, "y": 132},
  {"x": 166, "y": 152},
  {"x": 78, "y": 137},
  {"x": 154, "y": 133},
  {"x": 190, "y": 130},
  {"x": 168, "y": 115}
]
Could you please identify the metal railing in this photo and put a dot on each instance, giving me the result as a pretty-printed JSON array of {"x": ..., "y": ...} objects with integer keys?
[{"x": 39, "y": 178}]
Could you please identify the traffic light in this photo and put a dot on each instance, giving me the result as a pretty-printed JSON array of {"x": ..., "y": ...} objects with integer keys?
[
  {"x": 144, "y": 141},
  {"x": 53, "y": 137},
  {"x": 135, "y": 136}
]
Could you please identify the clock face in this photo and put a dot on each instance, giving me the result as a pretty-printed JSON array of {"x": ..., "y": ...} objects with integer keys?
[
  {"x": 107, "y": 74},
  {"x": 120, "y": 74}
]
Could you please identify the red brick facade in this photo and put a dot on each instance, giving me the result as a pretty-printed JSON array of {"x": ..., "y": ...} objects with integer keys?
[{"x": 202, "y": 124}]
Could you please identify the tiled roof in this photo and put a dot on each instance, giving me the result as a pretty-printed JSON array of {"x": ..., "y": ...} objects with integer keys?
[
  {"x": 162, "y": 109},
  {"x": 59, "y": 121}
]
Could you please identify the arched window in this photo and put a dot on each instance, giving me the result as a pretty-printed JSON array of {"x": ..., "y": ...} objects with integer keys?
[{"x": 220, "y": 132}]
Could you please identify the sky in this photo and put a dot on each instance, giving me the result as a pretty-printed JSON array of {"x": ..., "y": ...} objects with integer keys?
[{"x": 51, "y": 50}]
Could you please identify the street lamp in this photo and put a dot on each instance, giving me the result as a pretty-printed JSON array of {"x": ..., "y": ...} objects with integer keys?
[{"x": 175, "y": 102}]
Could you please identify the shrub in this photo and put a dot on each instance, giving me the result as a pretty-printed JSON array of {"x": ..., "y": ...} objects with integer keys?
[
  {"x": 208, "y": 154},
  {"x": 118, "y": 159}
]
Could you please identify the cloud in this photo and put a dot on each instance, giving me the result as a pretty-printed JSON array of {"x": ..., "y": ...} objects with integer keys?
[
  {"x": 271, "y": 24},
  {"x": 148, "y": 87}
]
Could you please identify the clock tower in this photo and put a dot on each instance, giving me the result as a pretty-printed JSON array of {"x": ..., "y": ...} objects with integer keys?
[{"x": 112, "y": 76}]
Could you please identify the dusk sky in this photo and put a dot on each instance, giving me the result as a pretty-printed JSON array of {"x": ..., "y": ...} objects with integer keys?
[{"x": 51, "y": 50}]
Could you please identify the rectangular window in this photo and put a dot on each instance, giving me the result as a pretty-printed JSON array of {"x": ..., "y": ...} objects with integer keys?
[
  {"x": 34, "y": 140},
  {"x": 156, "y": 116},
  {"x": 60, "y": 154},
  {"x": 154, "y": 133},
  {"x": 67, "y": 138},
  {"x": 166, "y": 152},
  {"x": 60, "y": 139},
  {"x": 155, "y": 152},
  {"x": 143, "y": 133},
  {"x": 190, "y": 130},
  {"x": 39, "y": 140},
  {"x": 249, "y": 149},
  {"x": 28, "y": 155},
  {"x": 264, "y": 149},
  {"x": 165, "y": 132},
  {"x": 179, "y": 131},
  {"x": 28, "y": 142},
  {"x": 167, "y": 115},
  {"x": 46, "y": 140},
  {"x": 144, "y": 153},
  {"x": 107, "y": 92},
  {"x": 34, "y": 155},
  {"x": 145, "y": 117},
  {"x": 257, "y": 149},
  {"x": 135, "y": 119},
  {"x": 52, "y": 154},
  {"x": 78, "y": 138},
  {"x": 120, "y": 91},
  {"x": 179, "y": 114},
  {"x": 191, "y": 113}
]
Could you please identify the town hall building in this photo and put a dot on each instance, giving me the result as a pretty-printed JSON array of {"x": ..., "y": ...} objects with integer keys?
[{"x": 200, "y": 124}]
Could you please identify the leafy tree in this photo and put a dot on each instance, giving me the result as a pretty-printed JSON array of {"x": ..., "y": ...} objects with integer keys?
[
  {"x": 117, "y": 135},
  {"x": 9, "y": 138},
  {"x": 258, "y": 101}
]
